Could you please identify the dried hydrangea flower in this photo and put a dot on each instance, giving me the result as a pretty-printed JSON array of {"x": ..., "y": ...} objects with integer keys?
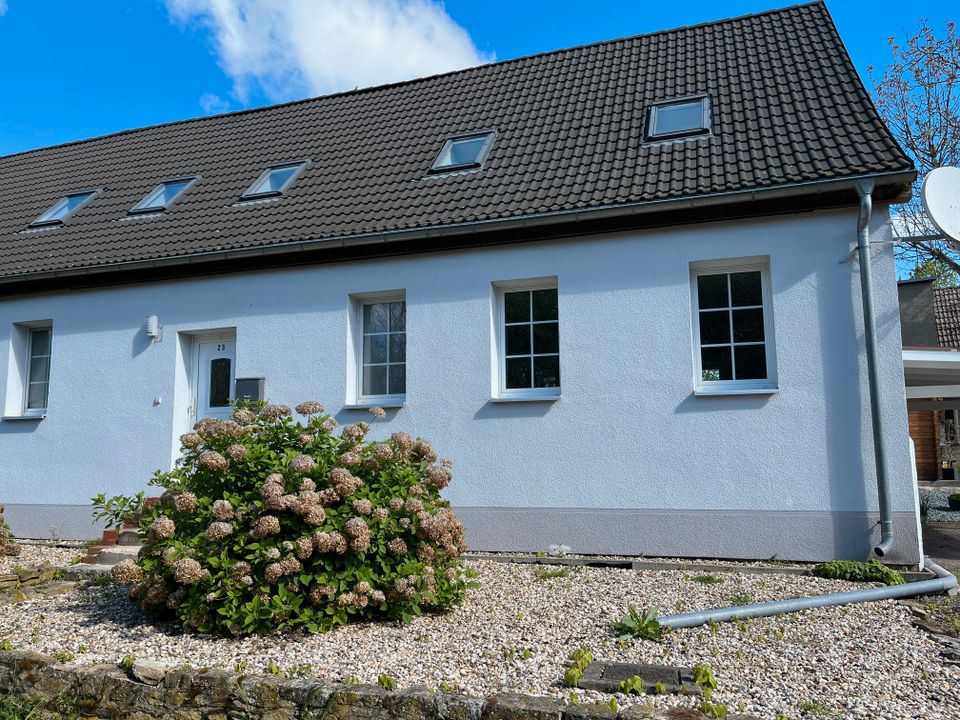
[
  {"x": 319, "y": 593},
  {"x": 213, "y": 460},
  {"x": 377, "y": 597},
  {"x": 242, "y": 568},
  {"x": 218, "y": 531},
  {"x": 417, "y": 490},
  {"x": 344, "y": 482},
  {"x": 404, "y": 522},
  {"x": 175, "y": 598},
  {"x": 266, "y": 525},
  {"x": 422, "y": 450},
  {"x": 362, "y": 506},
  {"x": 413, "y": 505},
  {"x": 161, "y": 529},
  {"x": 328, "y": 425},
  {"x": 275, "y": 412},
  {"x": 382, "y": 451},
  {"x": 398, "y": 547},
  {"x": 273, "y": 553},
  {"x": 191, "y": 440},
  {"x": 350, "y": 458},
  {"x": 187, "y": 571},
  {"x": 402, "y": 441},
  {"x": 303, "y": 547},
  {"x": 310, "y": 407},
  {"x": 272, "y": 573},
  {"x": 316, "y": 516},
  {"x": 237, "y": 452},
  {"x": 242, "y": 415},
  {"x": 303, "y": 464},
  {"x": 354, "y": 433},
  {"x": 307, "y": 485},
  {"x": 381, "y": 514},
  {"x": 439, "y": 476},
  {"x": 396, "y": 504},
  {"x": 222, "y": 510},
  {"x": 304, "y": 438},
  {"x": 126, "y": 572},
  {"x": 246, "y": 580},
  {"x": 185, "y": 502},
  {"x": 378, "y": 412}
]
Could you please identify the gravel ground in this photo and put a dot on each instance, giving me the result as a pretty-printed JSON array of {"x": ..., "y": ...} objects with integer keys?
[
  {"x": 939, "y": 510},
  {"x": 861, "y": 661},
  {"x": 35, "y": 554}
]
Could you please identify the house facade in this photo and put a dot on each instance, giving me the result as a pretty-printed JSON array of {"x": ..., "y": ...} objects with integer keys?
[{"x": 615, "y": 284}]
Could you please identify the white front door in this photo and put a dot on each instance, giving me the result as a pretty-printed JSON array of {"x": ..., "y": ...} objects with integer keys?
[{"x": 215, "y": 374}]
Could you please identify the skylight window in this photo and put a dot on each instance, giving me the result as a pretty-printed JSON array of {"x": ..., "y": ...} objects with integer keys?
[
  {"x": 64, "y": 208},
  {"x": 677, "y": 119},
  {"x": 274, "y": 180},
  {"x": 463, "y": 151},
  {"x": 163, "y": 195}
]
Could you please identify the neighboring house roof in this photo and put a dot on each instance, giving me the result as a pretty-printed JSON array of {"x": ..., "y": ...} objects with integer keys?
[
  {"x": 789, "y": 114},
  {"x": 946, "y": 308}
]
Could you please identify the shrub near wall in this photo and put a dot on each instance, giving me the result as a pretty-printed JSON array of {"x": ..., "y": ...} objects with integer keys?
[{"x": 269, "y": 524}]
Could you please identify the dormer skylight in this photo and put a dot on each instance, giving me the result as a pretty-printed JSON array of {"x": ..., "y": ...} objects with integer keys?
[
  {"x": 462, "y": 152},
  {"x": 274, "y": 180},
  {"x": 679, "y": 119},
  {"x": 64, "y": 208},
  {"x": 163, "y": 195}
]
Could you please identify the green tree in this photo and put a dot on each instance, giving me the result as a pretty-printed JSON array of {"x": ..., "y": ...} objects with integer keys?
[{"x": 943, "y": 274}]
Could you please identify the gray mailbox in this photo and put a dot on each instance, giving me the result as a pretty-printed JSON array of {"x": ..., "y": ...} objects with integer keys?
[{"x": 249, "y": 389}]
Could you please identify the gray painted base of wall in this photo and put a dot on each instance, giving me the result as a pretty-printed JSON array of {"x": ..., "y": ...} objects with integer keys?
[{"x": 732, "y": 534}]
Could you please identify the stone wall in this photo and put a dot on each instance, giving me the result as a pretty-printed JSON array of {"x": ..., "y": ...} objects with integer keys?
[{"x": 149, "y": 690}]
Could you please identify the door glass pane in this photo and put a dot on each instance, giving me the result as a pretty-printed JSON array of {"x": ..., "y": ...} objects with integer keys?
[
  {"x": 375, "y": 318},
  {"x": 40, "y": 342},
  {"x": 545, "y": 304},
  {"x": 398, "y": 316},
  {"x": 375, "y": 380},
  {"x": 516, "y": 307},
  {"x": 748, "y": 325},
  {"x": 37, "y": 396},
  {"x": 716, "y": 364},
  {"x": 745, "y": 288},
  {"x": 220, "y": 381},
  {"x": 398, "y": 379},
  {"x": 546, "y": 371},
  {"x": 712, "y": 291},
  {"x": 375, "y": 349},
  {"x": 751, "y": 362},
  {"x": 714, "y": 327},
  {"x": 546, "y": 338},
  {"x": 518, "y": 372},
  {"x": 398, "y": 347},
  {"x": 518, "y": 339}
]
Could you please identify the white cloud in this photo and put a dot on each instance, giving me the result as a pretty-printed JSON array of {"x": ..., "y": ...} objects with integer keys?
[
  {"x": 296, "y": 48},
  {"x": 213, "y": 104}
]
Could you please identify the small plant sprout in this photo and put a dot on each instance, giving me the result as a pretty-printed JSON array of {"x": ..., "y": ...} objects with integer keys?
[
  {"x": 869, "y": 571},
  {"x": 640, "y": 625},
  {"x": 573, "y": 698},
  {"x": 387, "y": 682},
  {"x": 547, "y": 573},
  {"x": 63, "y": 657},
  {"x": 354, "y": 680},
  {"x": 741, "y": 599},
  {"x": 572, "y": 676},
  {"x": 632, "y": 686},
  {"x": 659, "y": 689},
  {"x": 240, "y": 667},
  {"x": 614, "y": 705},
  {"x": 579, "y": 660},
  {"x": 127, "y": 663},
  {"x": 273, "y": 668},
  {"x": 704, "y": 678},
  {"x": 717, "y": 711},
  {"x": 708, "y": 579}
]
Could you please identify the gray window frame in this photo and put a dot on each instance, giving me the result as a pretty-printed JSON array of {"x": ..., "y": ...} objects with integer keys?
[
  {"x": 299, "y": 164},
  {"x": 28, "y": 366},
  {"x": 489, "y": 134},
  {"x": 152, "y": 209},
  {"x": 54, "y": 222},
  {"x": 706, "y": 124}
]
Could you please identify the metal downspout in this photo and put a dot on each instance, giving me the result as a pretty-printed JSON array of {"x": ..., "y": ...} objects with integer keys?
[
  {"x": 942, "y": 583},
  {"x": 865, "y": 190}
]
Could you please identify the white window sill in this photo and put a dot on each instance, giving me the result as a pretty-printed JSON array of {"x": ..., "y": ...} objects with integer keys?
[
  {"x": 708, "y": 392},
  {"x": 19, "y": 418},
  {"x": 386, "y": 405},
  {"x": 538, "y": 398}
]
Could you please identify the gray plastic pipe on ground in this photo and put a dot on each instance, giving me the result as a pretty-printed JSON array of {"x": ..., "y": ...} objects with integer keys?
[{"x": 942, "y": 583}]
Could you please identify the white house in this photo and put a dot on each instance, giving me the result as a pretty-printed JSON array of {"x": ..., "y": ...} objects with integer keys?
[{"x": 616, "y": 284}]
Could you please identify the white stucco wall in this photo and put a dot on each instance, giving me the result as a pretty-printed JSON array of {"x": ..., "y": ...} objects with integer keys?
[{"x": 628, "y": 460}]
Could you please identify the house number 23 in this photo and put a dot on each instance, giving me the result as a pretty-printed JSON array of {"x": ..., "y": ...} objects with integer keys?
[{"x": 221, "y": 347}]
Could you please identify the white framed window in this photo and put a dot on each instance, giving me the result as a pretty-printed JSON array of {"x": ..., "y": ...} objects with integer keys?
[
  {"x": 527, "y": 339},
  {"x": 734, "y": 349},
  {"x": 380, "y": 348},
  {"x": 28, "y": 382}
]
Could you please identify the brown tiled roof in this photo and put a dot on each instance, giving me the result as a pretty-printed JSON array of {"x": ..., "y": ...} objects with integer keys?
[
  {"x": 946, "y": 309},
  {"x": 787, "y": 105}
]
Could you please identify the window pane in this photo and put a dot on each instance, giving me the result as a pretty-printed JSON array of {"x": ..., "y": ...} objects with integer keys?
[
  {"x": 751, "y": 362},
  {"x": 747, "y": 325},
  {"x": 466, "y": 151},
  {"x": 398, "y": 379},
  {"x": 680, "y": 117},
  {"x": 746, "y": 289},
  {"x": 712, "y": 291},
  {"x": 375, "y": 380},
  {"x": 545, "y": 304},
  {"x": 714, "y": 327},
  {"x": 516, "y": 307},
  {"x": 39, "y": 369},
  {"x": 546, "y": 338},
  {"x": 220, "y": 382},
  {"x": 40, "y": 342},
  {"x": 518, "y": 372},
  {"x": 398, "y": 316},
  {"x": 375, "y": 318},
  {"x": 546, "y": 371},
  {"x": 518, "y": 339},
  {"x": 715, "y": 364},
  {"x": 37, "y": 396},
  {"x": 276, "y": 178},
  {"x": 398, "y": 347},
  {"x": 374, "y": 349}
]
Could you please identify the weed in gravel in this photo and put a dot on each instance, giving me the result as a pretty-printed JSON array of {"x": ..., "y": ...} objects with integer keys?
[
  {"x": 869, "y": 571},
  {"x": 387, "y": 682},
  {"x": 632, "y": 686},
  {"x": 815, "y": 708},
  {"x": 926, "y": 502},
  {"x": 659, "y": 689},
  {"x": 546, "y": 573},
  {"x": 718, "y": 711},
  {"x": 579, "y": 660},
  {"x": 704, "y": 678},
  {"x": 708, "y": 579},
  {"x": 273, "y": 668},
  {"x": 127, "y": 663},
  {"x": 12, "y": 708},
  {"x": 63, "y": 657},
  {"x": 303, "y": 670},
  {"x": 6, "y": 645},
  {"x": 644, "y": 626},
  {"x": 614, "y": 705},
  {"x": 573, "y": 698},
  {"x": 240, "y": 667},
  {"x": 354, "y": 680},
  {"x": 741, "y": 599}
]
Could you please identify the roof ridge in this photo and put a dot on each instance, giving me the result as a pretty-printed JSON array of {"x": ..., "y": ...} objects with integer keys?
[{"x": 410, "y": 81}]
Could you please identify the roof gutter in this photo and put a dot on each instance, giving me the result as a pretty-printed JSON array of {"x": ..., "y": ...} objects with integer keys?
[{"x": 623, "y": 210}]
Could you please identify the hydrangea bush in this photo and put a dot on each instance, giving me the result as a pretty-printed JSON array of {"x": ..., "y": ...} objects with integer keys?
[{"x": 269, "y": 524}]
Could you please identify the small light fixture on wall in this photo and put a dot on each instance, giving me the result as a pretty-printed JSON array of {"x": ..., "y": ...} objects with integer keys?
[{"x": 153, "y": 328}]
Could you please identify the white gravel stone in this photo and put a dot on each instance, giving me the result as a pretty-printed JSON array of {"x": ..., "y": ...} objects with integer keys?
[
  {"x": 36, "y": 554},
  {"x": 516, "y": 631}
]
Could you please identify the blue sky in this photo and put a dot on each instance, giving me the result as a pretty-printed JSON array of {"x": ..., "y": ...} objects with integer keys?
[{"x": 76, "y": 70}]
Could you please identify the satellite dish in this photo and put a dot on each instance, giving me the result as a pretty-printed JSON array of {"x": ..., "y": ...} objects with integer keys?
[{"x": 941, "y": 200}]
